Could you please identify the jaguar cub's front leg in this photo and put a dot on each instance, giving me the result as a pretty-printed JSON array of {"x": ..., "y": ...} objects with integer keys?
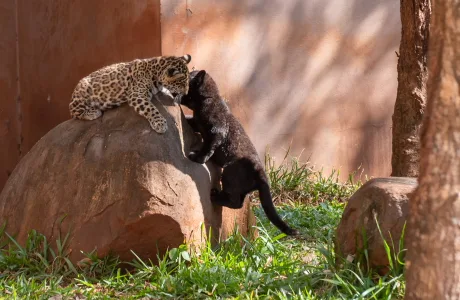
[
  {"x": 139, "y": 98},
  {"x": 210, "y": 144}
]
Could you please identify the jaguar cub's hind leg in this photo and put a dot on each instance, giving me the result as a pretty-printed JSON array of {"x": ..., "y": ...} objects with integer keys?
[
  {"x": 236, "y": 184},
  {"x": 80, "y": 110},
  {"x": 91, "y": 114},
  {"x": 231, "y": 200},
  {"x": 139, "y": 98}
]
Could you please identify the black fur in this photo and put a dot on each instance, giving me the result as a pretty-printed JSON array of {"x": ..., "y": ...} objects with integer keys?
[{"x": 226, "y": 143}]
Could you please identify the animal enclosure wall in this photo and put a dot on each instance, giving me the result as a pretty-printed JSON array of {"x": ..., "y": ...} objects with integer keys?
[
  {"x": 46, "y": 47},
  {"x": 318, "y": 75}
]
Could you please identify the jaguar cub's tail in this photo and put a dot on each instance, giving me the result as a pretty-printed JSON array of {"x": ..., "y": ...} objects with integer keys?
[{"x": 267, "y": 204}]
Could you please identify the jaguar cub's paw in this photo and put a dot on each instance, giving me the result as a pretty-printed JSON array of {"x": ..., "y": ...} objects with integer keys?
[{"x": 159, "y": 125}]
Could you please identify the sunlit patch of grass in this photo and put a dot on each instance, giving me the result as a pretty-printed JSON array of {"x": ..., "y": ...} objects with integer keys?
[
  {"x": 270, "y": 266},
  {"x": 295, "y": 181}
]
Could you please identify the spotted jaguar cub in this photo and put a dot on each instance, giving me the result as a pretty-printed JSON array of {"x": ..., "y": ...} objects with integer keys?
[{"x": 133, "y": 82}]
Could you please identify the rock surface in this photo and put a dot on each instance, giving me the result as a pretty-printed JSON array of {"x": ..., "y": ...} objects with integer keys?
[
  {"x": 387, "y": 200},
  {"x": 120, "y": 185}
]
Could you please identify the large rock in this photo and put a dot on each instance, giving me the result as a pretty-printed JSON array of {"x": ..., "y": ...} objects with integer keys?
[
  {"x": 385, "y": 199},
  {"x": 120, "y": 185}
]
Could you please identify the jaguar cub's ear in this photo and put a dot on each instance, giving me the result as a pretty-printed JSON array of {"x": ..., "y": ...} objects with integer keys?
[
  {"x": 187, "y": 58},
  {"x": 198, "y": 79}
]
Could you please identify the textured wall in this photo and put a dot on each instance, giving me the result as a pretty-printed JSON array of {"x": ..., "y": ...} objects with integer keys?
[
  {"x": 9, "y": 123},
  {"x": 59, "y": 42},
  {"x": 317, "y": 75}
]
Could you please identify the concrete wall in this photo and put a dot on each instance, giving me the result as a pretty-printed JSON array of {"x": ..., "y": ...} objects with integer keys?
[
  {"x": 59, "y": 42},
  {"x": 318, "y": 75}
]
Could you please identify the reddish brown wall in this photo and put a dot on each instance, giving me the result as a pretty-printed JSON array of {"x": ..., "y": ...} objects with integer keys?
[
  {"x": 320, "y": 74},
  {"x": 59, "y": 42},
  {"x": 9, "y": 125}
]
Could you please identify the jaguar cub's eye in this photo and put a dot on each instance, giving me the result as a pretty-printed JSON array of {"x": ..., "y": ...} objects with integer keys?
[{"x": 172, "y": 72}]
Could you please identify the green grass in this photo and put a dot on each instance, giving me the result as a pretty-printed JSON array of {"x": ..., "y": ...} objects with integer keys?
[
  {"x": 293, "y": 180},
  {"x": 271, "y": 266}
]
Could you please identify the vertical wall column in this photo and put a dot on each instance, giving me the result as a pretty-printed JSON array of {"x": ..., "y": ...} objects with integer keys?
[{"x": 9, "y": 118}]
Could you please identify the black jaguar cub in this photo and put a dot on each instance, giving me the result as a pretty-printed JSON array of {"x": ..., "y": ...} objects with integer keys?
[{"x": 227, "y": 145}]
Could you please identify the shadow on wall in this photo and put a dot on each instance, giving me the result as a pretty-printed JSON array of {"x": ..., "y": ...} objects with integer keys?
[{"x": 319, "y": 76}]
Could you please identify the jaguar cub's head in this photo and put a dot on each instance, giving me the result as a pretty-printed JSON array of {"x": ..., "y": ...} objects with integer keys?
[
  {"x": 201, "y": 87},
  {"x": 174, "y": 74}
]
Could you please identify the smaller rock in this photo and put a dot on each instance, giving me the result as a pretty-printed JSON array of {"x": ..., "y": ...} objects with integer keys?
[{"x": 384, "y": 199}]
